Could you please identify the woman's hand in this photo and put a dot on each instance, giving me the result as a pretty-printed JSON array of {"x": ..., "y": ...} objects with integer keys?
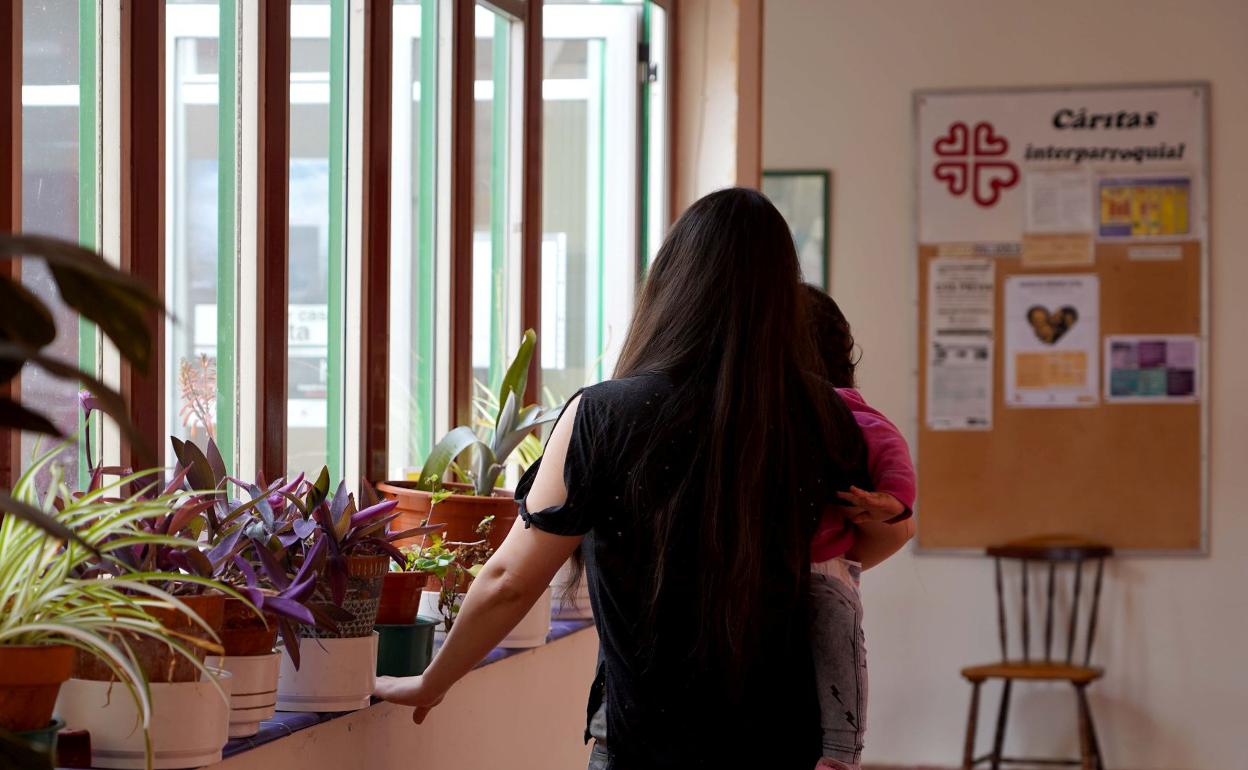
[
  {"x": 872, "y": 506},
  {"x": 409, "y": 691}
]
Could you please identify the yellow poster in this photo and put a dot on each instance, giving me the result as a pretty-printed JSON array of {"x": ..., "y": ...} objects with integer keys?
[{"x": 1145, "y": 207}]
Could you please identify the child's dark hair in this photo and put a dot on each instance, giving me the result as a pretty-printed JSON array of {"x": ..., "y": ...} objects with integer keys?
[{"x": 833, "y": 337}]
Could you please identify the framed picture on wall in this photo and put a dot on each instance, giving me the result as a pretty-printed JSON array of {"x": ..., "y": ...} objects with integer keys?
[{"x": 803, "y": 197}]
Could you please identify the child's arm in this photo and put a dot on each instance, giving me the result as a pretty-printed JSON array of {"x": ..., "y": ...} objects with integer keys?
[{"x": 888, "y": 463}]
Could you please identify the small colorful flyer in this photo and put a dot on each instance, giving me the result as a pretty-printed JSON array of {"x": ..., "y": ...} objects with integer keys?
[
  {"x": 1145, "y": 207},
  {"x": 1151, "y": 369}
]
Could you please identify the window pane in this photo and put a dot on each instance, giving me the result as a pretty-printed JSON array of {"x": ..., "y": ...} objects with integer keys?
[
  {"x": 589, "y": 190},
  {"x": 52, "y": 200},
  {"x": 495, "y": 252},
  {"x": 413, "y": 268},
  {"x": 317, "y": 128},
  {"x": 199, "y": 221}
]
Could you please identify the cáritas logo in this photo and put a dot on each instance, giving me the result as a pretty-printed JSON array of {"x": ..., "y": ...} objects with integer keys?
[{"x": 974, "y": 160}]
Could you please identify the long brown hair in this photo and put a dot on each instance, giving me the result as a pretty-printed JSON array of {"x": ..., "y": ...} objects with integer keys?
[{"x": 722, "y": 315}]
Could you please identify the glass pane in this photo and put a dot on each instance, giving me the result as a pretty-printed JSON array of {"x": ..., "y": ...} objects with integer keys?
[
  {"x": 589, "y": 190},
  {"x": 317, "y": 128},
  {"x": 657, "y": 179},
  {"x": 51, "y": 195},
  {"x": 413, "y": 268},
  {"x": 495, "y": 252},
  {"x": 199, "y": 233}
]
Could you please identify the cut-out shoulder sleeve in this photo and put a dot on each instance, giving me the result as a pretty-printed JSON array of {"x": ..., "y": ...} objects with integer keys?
[{"x": 575, "y": 516}]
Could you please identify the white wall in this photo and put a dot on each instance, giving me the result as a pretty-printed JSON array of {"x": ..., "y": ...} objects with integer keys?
[{"x": 838, "y": 77}]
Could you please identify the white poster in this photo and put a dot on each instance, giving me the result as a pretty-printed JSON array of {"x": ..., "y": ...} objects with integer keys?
[
  {"x": 976, "y": 149},
  {"x": 960, "y": 336},
  {"x": 1052, "y": 340}
]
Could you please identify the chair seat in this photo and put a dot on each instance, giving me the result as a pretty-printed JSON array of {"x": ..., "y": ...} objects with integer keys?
[{"x": 1033, "y": 670}]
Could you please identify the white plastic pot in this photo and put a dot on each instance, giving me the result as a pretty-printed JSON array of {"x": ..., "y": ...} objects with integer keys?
[
  {"x": 333, "y": 675},
  {"x": 253, "y": 696},
  {"x": 190, "y": 721},
  {"x": 575, "y": 607},
  {"x": 531, "y": 631}
]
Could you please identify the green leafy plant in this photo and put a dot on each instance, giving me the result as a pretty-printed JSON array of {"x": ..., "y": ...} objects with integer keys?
[
  {"x": 453, "y": 564},
  {"x": 118, "y": 303},
  {"x": 45, "y": 597},
  {"x": 493, "y": 444}
]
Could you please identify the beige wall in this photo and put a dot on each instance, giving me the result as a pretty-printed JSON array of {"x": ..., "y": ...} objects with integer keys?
[
  {"x": 718, "y": 96},
  {"x": 837, "y": 82}
]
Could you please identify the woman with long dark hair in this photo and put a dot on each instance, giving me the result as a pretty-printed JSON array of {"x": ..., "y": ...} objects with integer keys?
[{"x": 692, "y": 482}]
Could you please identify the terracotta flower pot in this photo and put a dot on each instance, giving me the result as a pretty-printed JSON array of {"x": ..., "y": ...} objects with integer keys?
[
  {"x": 400, "y": 597},
  {"x": 365, "y": 576},
  {"x": 159, "y": 662},
  {"x": 30, "y": 678},
  {"x": 244, "y": 633},
  {"x": 461, "y": 513}
]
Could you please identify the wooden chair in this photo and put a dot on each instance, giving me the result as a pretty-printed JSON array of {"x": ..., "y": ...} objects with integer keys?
[{"x": 1055, "y": 555}]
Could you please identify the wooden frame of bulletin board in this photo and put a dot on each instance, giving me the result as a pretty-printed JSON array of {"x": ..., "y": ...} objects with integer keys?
[{"x": 1062, "y": 250}]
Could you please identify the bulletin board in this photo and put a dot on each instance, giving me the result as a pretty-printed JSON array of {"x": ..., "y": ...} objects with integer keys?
[{"x": 1062, "y": 257}]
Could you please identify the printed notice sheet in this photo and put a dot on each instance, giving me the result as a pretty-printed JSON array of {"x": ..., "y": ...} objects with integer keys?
[
  {"x": 1052, "y": 340},
  {"x": 1152, "y": 369},
  {"x": 959, "y": 355}
]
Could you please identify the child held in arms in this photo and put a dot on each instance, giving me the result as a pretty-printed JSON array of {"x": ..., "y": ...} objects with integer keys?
[{"x": 840, "y": 552}]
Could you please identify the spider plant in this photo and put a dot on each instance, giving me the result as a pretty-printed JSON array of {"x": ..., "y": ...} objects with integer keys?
[{"x": 47, "y": 601}]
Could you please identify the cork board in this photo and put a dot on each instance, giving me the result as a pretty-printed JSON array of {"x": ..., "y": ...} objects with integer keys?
[
  {"x": 1129, "y": 475},
  {"x": 1126, "y": 475}
]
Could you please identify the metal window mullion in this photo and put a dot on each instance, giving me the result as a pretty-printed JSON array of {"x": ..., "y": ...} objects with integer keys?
[
  {"x": 499, "y": 116},
  {"x": 88, "y": 219},
  {"x": 426, "y": 286}
]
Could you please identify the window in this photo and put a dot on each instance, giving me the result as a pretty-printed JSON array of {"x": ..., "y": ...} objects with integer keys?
[
  {"x": 200, "y": 285},
  {"x": 316, "y": 290},
  {"x": 590, "y": 194},
  {"x": 413, "y": 258},
  {"x": 58, "y": 142},
  {"x": 495, "y": 198}
]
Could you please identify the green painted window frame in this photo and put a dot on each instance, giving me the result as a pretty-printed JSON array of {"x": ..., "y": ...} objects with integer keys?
[
  {"x": 227, "y": 191},
  {"x": 426, "y": 219},
  {"x": 499, "y": 164},
  {"x": 88, "y": 214},
  {"x": 335, "y": 382}
]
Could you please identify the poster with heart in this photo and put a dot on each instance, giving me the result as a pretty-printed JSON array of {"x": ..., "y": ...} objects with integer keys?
[{"x": 1052, "y": 340}]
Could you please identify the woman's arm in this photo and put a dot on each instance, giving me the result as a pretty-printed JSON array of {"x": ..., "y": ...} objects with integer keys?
[{"x": 506, "y": 588}]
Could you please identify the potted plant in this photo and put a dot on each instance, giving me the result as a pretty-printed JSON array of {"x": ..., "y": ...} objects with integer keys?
[
  {"x": 256, "y": 544},
  {"x": 55, "y": 609},
  {"x": 338, "y": 665},
  {"x": 405, "y": 640},
  {"x": 462, "y": 506},
  {"x": 454, "y": 566}
]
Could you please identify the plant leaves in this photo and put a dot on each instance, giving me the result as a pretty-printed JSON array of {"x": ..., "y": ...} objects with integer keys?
[
  {"x": 452, "y": 445},
  {"x": 14, "y": 416},
  {"x": 216, "y": 463},
  {"x": 40, "y": 519},
  {"x": 373, "y": 512},
  {"x": 279, "y": 605},
  {"x": 274, "y": 570},
  {"x": 110, "y": 401},
  {"x": 517, "y": 377},
  {"x": 25, "y": 318}
]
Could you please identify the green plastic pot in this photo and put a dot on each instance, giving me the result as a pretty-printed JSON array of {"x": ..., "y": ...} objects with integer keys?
[
  {"x": 43, "y": 740},
  {"x": 405, "y": 650}
]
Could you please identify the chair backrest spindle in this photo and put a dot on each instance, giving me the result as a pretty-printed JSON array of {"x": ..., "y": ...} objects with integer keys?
[
  {"x": 1096, "y": 606},
  {"x": 1026, "y": 615},
  {"x": 1048, "y": 615},
  {"x": 1074, "y": 612},
  {"x": 1005, "y": 653}
]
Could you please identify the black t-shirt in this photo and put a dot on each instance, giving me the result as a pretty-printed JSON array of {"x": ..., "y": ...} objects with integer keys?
[{"x": 661, "y": 712}]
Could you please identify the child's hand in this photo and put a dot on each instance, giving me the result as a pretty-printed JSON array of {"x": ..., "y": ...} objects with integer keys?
[{"x": 872, "y": 506}]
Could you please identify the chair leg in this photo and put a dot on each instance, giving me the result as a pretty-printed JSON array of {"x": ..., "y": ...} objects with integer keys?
[
  {"x": 1086, "y": 708},
  {"x": 1003, "y": 715},
  {"x": 972, "y": 723},
  {"x": 1086, "y": 740}
]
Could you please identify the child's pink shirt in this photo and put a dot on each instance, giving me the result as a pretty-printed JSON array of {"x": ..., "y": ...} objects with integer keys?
[{"x": 890, "y": 468}]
